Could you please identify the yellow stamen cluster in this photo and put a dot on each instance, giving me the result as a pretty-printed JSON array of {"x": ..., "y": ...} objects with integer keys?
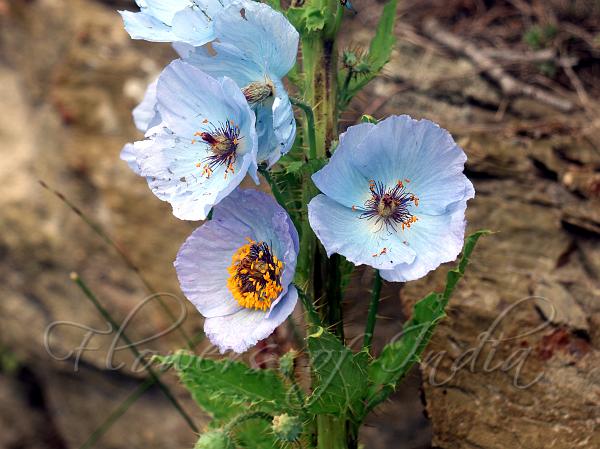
[{"x": 254, "y": 276}]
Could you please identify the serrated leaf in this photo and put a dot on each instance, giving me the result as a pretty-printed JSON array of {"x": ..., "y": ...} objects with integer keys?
[
  {"x": 221, "y": 387},
  {"x": 341, "y": 377},
  {"x": 398, "y": 357},
  {"x": 308, "y": 19}
]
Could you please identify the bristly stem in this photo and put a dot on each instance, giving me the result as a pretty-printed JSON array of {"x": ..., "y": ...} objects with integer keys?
[
  {"x": 274, "y": 187},
  {"x": 310, "y": 123},
  {"x": 110, "y": 242},
  {"x": 107, "y": 316},
  {"x": 372, "y": 314},
  {"x": 117, "y": 413}
]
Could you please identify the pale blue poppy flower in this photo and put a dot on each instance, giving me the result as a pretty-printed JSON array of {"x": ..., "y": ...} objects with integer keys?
[
  {"x": 203, "y": 146},
  {"x": 237, "y": 269},
  {"x": 256, "y": 47},
  {"x": 394, "y": 197},
  {"x": 189, "y": 21}
]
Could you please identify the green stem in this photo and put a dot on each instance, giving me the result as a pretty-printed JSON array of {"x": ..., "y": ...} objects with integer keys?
[
  {"x": 372, "y": 315},
  {"x": 310, "y": 124},
  {"x": 313, "y": 316},
  {"x": 320, "y": 90},
  {"x": 107, "y": 316},
  {"x": 274, "y": 187},
  {"x": 334, "y": 295},
  {"x": 333, "y": 433}
]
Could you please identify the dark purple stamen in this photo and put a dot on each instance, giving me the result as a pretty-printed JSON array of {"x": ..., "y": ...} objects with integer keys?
[{"x": 389, "y": 207}]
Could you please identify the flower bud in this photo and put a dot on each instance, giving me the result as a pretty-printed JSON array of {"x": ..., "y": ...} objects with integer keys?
[
  {"x": 214, "y": 439},
  {"x": 286, "y": 363},
  {"x": 287, "y": 428}
]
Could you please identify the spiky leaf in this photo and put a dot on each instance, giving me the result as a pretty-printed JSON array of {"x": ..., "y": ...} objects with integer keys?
[
  {"x": 341, "y": 377},
  {"x": 221, "y": 387},
  {"x": 398, "y": 357}
]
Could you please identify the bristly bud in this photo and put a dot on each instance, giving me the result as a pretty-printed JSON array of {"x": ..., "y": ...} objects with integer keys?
[
  {"x": 286, "y": 363},
  {"x": 356, "y": 61},
  {"x": 215, "y": 439},
  {"x": 287, "y": 428}
]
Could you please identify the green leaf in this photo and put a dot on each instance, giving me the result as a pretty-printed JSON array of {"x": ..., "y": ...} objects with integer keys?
[
  {"x": 380, "y": 51},
  {"x": 341, "y": 377},
  {"x": 221, "y": 387},
  {"x": 309, "y": 18},
  {"x": 398, "y": 357}
]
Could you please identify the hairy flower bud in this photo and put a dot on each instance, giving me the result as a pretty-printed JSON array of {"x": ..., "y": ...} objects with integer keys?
[
  {"x": 215, "y": 439},
  {"x": 286, "y": 363},
  {"x": 287, "y": 428}
]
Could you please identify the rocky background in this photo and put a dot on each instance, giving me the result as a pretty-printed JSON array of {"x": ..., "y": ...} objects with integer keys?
[{"x": 515, "y": 364}]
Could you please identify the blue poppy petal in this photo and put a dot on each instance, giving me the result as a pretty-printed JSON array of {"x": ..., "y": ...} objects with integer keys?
[
  {"x": 202, "y": 263},
  {"x": 193, "y": 26},
  {"x": 140, "y": 25},
  {"x": 401, "y": 148},
  {"x": 190, "y": 100},
  {"x": 129, "y": 155},
  {"x": 361, "y": 241},
  {"x": 164, "y": 10},
  {"x": 340, "y": 179},
  {"x": 267, "y": 222},
  {"x": 243, "y": 329},
  {"x": 170, "y": 166},
  {"x": 262, "y": 34},
  {"x": 284, "y": 123},
  {"x": 435, "y": 239},
  {"x": 224, "y": 60},
  {"x": 145, "y": 114}
]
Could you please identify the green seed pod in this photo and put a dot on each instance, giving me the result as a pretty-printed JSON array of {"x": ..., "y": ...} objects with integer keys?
[{"x": 287, "y": 428}]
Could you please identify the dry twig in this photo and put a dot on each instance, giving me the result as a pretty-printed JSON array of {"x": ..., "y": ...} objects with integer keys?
[{"x": 509, "y": 85}]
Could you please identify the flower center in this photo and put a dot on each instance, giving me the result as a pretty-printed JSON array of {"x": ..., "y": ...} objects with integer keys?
[
  {"x": 389, "y": 206},
  {"x": 255, "y": 276},
  {"x": 257, "y": 92},
  {"x": 222, "y": 142}
]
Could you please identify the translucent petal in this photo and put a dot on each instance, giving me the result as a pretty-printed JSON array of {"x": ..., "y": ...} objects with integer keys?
[
  {"x": 243, "y": 329},
  {"x": 262, "y": 34},
  {"x": 435, "y": 239},
  {"x": 359, "y": 240}
]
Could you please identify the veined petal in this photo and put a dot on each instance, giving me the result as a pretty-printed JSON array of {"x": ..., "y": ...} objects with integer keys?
[
  {"x": 262, "y": 34},
  {"x": 172, "y": 167},
  {"x": 243, "y": 329},
  {"x": 188, "y": 168},
  {"x": 241, "y": 251},
  {"x": 401, "y": 148},
  {"x": 435, "y": 239},
  {"x": 268, "y": 222},
  {"x": 201, "y": 266},
  {"x": 165, "y": 10},
  {"x": 140, "y": 25},
  {"x": 284, "y": 123},
  {"x": 340, "y": 179},
  {"x": 224, "y": 60},
  {"x": 145, "y": 114},
  {"x": 188, "y": 99},
  {"x": 361, "y": 241}
]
